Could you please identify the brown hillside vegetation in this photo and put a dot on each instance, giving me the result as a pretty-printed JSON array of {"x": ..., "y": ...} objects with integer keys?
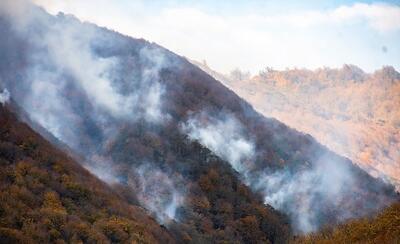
[
  {"x": 354, "y": 113},
  {"x": 46, "y": 197},
  {"x": 178, "y": 143},
  {"x": 384, "y": 228}
]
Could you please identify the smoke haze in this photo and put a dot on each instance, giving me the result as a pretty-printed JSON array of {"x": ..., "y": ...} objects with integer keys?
[
  {"x": 303, "y": 195},
  {"x": 124, "y": 104},
  {"x": 221, "y": 135},
  {"x": 66, "y": 65},
  {"x": 158, "y": 191},
  {"x": 4, "y": 96},
  {"x": 65, "y": 58}
]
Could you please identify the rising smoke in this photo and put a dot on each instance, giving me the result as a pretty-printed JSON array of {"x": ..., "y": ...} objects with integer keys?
[
  {"x": 301, "y": 194},
  {"x": 83, "y": 84},
  {"x": 65, "y": 61},
  {"x": 79, "y": 86},
  {"x": 4, "y": 96},
  {"x": 223, "y": 136},
  {"x": 158, "y": 191}
]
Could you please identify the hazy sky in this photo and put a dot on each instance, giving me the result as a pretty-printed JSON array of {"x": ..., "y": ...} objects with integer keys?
[{"x": 254, "y": 34}]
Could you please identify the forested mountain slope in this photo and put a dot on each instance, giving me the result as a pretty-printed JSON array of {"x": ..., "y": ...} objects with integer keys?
[
  {"x": 354, "y": 113},
  {"x": 181, "y": 144},
  {"x": 383, "y": 228},
  {"x": 46, "y": 197}
]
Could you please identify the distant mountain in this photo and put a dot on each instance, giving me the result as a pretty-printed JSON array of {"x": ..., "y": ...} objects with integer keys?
[
  {"x": 353, "y": 113},
  {"x": 173, "y": 139},
  {"x": 46, "y": 197}
]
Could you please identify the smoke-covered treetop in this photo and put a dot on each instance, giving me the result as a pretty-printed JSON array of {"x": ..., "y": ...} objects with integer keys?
[
  {"x": 170, "y": 138},
  {"x": 354, "y": 113}
]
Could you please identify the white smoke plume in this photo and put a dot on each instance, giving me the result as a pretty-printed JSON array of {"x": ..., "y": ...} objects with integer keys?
[
  {"x": 68, "y": 63},
  {"x": 301, "y": 193},
  {"x": 158, "y": 191},
  {"x": 103, "y": 170},
  {"x": 63, "y": 54},
  {"x": 152, "y": 103},
  {"x": 93, "y": 73},
  {"x": 72, "y": 82},
  {"x": 4, "y": 96},
  {"x": 223, "y": 136}
]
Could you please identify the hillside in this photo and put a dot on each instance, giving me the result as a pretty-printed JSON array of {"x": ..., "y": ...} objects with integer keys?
[
  {"x": 383, "y": 228},
  {"x": 179, "y": 143},
  {"x": 353, "y": 113},
  {"x": 46, "y": 197}
]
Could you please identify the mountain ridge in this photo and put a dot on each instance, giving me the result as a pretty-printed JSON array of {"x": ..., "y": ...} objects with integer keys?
[
  {"x": 347, "y": 127},
  {"x": 192, "y": 152}
]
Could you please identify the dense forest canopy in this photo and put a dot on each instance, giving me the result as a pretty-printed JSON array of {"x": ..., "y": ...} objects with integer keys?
[{"x": 161, "y": 135}]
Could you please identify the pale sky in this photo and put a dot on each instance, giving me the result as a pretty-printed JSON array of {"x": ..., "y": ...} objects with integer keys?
[{"x": 255, "y": 34}]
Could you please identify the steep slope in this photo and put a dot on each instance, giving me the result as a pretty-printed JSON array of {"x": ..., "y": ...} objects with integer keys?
[
  {"x": 46, "y": 197},
  {"x": 354, "y": 113},
  {"x": 383, "y": 228},
  {"x": 183, "y": 146}
]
